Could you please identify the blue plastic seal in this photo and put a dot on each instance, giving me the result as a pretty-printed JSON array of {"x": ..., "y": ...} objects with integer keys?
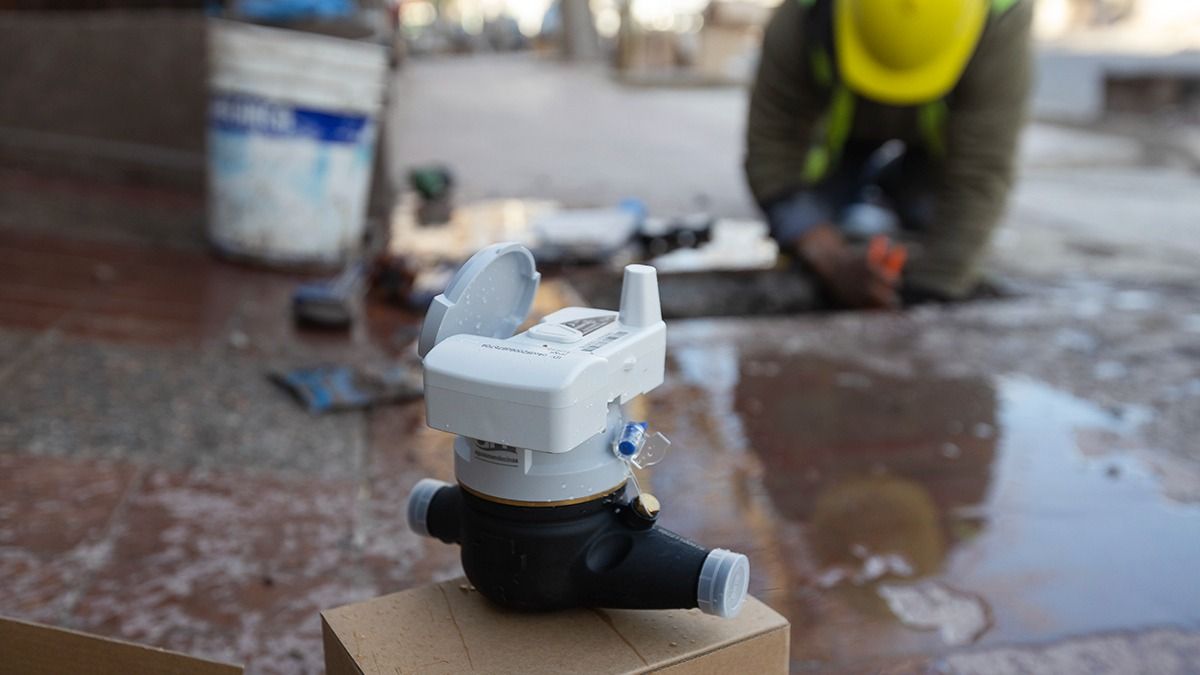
[{"x": 632, "y": 438}]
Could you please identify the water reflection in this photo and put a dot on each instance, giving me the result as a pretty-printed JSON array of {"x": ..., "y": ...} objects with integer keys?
[
  {"x": 879, "y": 458},
  {"x": 897, "y": 514}
]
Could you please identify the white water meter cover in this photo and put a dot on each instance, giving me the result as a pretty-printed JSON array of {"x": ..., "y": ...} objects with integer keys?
[{"x": 489, "y": 296}]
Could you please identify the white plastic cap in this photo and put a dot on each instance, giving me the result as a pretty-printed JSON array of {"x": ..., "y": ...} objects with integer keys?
[
  {"x": 418, "y": 504},
  {"x": 490, "y": 295},
  {"x": 724, "y": 579}
]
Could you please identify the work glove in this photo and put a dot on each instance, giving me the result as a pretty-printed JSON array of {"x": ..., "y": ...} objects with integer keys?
[{"x": 853, "y": 276}]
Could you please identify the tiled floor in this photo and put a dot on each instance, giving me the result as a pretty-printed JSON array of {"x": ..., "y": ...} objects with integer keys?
[
  {"x": 1034, "y": 458},
  {"x": 1015, "y": 456},
  {"x": 155, "y": 486}
]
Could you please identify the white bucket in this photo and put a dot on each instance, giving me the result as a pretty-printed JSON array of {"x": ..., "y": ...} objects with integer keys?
[{"x": 291, "y": 138}]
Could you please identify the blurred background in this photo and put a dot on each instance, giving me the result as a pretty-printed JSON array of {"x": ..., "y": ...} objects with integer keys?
[{"x": 220, "y": 224}]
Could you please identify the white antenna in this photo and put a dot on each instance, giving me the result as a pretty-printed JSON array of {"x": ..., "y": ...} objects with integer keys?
[{"x": 639, "y": 297}]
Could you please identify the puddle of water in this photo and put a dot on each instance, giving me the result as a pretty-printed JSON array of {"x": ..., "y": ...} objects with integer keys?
[
  {"x": 1075, "y": 543},
  {"x": 892, "y": 515}
]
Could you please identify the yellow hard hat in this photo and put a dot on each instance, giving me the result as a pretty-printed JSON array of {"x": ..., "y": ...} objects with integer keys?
[{"x": 905, "y": 52}]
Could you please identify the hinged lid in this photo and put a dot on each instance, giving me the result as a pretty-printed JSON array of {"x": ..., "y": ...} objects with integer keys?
[{"x": 490, "y": 295}]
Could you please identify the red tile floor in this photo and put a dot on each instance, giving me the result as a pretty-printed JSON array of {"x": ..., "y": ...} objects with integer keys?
[
  {"x": 151, "y": 529},
  {"x": 156, "y": 487}
]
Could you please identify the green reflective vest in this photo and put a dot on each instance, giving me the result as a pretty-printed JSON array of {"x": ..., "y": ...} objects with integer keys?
[{"x": 839, "y": 119}]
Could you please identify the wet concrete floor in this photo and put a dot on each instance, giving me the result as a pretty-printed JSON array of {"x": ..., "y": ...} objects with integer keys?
[
  {"x": 1012, "y": 483},
  {"x": 893, "y": 515}
]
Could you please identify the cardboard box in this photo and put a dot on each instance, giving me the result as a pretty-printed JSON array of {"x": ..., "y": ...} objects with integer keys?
[
  {"x": 450, "y": 628},
  {"x": 33, "y": 649}
]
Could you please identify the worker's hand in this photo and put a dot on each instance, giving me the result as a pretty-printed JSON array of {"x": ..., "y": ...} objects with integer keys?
[{"x": 854, "y": 277}]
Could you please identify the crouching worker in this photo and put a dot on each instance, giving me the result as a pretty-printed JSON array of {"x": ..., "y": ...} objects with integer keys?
[{"x": 881, "y": 140}]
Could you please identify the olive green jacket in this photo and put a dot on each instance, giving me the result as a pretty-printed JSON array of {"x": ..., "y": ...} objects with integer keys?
[{"x": 985, "y": 113}]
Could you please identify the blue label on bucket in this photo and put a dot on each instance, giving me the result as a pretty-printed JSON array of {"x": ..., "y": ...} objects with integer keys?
[{"x": 245, "y": 113}]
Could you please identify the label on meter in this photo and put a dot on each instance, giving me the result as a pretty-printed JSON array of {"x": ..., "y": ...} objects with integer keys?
[
  {"x": 495, "y": 453},
  {"x": 605, "y": 340},
  {"x": 590, "y": 324}
]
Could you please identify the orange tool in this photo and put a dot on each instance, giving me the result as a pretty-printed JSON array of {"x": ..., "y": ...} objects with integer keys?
[{"x": 882, "y": 254}]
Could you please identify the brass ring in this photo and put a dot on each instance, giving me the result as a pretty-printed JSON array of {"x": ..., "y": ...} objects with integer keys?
[{"x": 565, "y": 502}]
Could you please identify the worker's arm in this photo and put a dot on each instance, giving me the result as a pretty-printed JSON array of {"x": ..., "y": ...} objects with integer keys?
[
  {"x": 784, "y": 109},
  {"x": 987, "y": 111}
]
